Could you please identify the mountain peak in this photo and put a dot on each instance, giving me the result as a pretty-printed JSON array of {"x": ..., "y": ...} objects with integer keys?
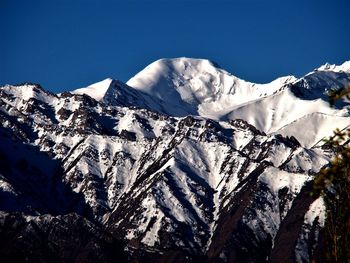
[
  {"x": 96, "y": 90},
  {"x": 345, "y": 67},
  {"x": 29, "y": 90},
  {"x": 162, "y": 76},
  {"x": 164, "y": 72},
  {"x": 199, "y": 86}
]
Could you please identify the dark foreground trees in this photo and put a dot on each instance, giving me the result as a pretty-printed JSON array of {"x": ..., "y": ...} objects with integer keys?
[{"x": 333, "y": 183}]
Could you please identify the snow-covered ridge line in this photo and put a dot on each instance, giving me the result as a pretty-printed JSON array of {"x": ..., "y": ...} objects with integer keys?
[
  {"x": 345, "y": 67},
  {"x": 185, "y": 86}
]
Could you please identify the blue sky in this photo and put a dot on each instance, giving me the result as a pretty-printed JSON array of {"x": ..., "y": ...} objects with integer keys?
[{"x": 66, "y": 44}]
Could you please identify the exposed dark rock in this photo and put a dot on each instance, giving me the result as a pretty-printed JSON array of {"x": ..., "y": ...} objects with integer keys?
[
  {"x": 131, "y": 136},
  {"x": 163, "y": 189}
]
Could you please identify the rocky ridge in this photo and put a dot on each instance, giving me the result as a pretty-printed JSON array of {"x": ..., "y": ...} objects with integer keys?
[{"x": 117, "y": 177}]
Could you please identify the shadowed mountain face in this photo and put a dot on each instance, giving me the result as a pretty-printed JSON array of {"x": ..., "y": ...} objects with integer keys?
[{"x": 120, "y": 178}]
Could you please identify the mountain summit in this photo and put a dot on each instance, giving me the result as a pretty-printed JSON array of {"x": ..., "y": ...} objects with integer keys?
[
  {"x": 186, "y": 86},
  {"x": 199, "y": 85}
]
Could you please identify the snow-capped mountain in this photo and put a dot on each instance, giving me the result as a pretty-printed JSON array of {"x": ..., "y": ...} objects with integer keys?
[
  {"x": 184, "y": 162},
  {"x": 183, "y": 86}
]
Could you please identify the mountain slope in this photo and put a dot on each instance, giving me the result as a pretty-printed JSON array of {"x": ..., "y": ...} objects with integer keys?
[
  {"x": 153, "y": 181},
  {"x": 145, "y": 185}
]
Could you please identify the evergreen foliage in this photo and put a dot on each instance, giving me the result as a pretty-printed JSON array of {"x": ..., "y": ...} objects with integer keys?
[{"x": 333, "y": 183}]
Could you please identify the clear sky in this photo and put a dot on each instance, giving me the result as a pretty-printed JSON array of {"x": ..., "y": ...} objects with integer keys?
[{"x": 67, "y": 44}]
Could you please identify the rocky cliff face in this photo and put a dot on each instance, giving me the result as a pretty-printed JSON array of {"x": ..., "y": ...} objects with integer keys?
[{"x": 98, "y": 180}]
